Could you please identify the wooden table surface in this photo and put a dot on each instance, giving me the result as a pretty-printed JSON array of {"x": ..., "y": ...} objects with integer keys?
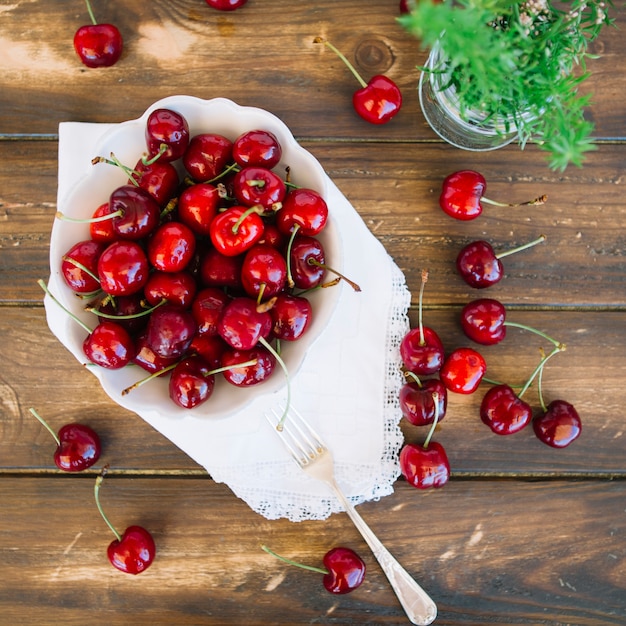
[{"x": 522, "y": 533}]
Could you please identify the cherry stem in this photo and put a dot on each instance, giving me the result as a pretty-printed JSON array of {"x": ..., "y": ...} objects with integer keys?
[
  {"x": 113, "y": 160},
  {"x": 419, "y": 307},
  {"x": 149, "y": 161},
  {"x": 96, "y": 493},
  {"x": 76, "y": 319},
  {"x": 233, "y": 167},
  {"x": 296, "y": 228},
  {"x": 530, "y": 244},
  {"x": 88, "y": 220},
  {"x": 132, "y": 316},
  {"x": 535, "y": 202},
  {"x": 414, "y": 376},
  {"x": 91, "y": 15},
  {"x": 278, "y": 358},
  {"x": 311, "y": 568},
  {"x": 554, "y": 342},
  {"x": 540, "y": 391},
  {"x": 312, "y": 261},
  {"x": 43, "y": 421},
  {"x": 244, "y": 215},
  {"x": 431, "y": 432},
  {"x": 539, "y": 368},
  {"x": 343, "y": 58}
]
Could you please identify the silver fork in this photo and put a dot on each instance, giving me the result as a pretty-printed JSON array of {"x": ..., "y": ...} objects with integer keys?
[{"x": 312, "y": 455}]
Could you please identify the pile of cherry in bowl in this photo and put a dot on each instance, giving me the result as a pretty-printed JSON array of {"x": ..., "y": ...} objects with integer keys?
[{"x": 201, "y": 264}]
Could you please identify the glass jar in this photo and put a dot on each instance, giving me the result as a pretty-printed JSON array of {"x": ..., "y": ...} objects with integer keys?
[{"x": 442, "y": 112}]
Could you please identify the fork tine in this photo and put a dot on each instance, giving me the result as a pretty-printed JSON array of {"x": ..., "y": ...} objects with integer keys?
[{"x": 299, "y": 438}]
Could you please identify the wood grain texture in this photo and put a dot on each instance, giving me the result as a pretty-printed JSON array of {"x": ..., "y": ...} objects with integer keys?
[{"x": 494, "y": 552}]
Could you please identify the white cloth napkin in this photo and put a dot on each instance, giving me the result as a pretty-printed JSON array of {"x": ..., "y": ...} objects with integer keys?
[{"x": 347, "y": 387}]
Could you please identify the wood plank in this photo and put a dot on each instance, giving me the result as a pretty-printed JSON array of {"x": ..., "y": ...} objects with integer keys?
[
  {"x": 581, "y": 263},
  {"x": 184, "y": 47},
  {"x": 37, "y": 371},
  {"x": 488, "y": 552}
]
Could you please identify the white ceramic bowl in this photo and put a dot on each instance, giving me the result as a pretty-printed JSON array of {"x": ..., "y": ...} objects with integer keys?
[{"x": 126, "y": 141}]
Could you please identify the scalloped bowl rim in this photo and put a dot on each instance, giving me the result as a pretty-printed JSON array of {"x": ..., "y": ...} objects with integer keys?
[{"x": 126, "y": 141}]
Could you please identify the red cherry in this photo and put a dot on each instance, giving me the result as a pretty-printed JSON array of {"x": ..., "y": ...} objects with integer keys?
[
  {"x": 148, "y": 359},
  {"x": 123, "y": 268},
  {"x": 210, "y": 347},
  {"x": 462, "y": 194},
  {"x": 258, "y": 148},
  {"x": 136, "y": 213},
  {"x": 259, "y": 186},
  {"x": 102, "y": 229},
  {"x": 236, "y": 230},
  {"x": 207, "y": 156},
  {"x": 503, "y": 411},
  {"x": 291, "y": 316},
  {"x": 127, "y": 311},
  {"x": 226, "y": 5},
  {"x": 418, "y": 400},
  {"x": 559, "y": 425},
  {"x": 79, "y": 266},
  {"x": 346, "y": 570},
  {"x": 463, "y": 370},
  {"x": 159, "y": 179},
  {"x": 218, "y": 270},
  {"x": 264, "y": 272},
  {"x": 78, "y": 446},
  {"x": 174, "y": 287},
  {"x": 109, "y": 345},
  {"x": 171, "y": 247},
  {"x": 207, "y": 308},
  {"x": 483, "y": 321},
  {"x": 98, "y": 45},
  {"x": 480, "y": 266},
  {"x": 307, "y": 262},
  {"x": 167, "y": 134},
  {"x": 197, "y": 206},
  {"x": 425, "y": 468},
  {"x": 378, "y": 100},
  {"x": 171, "y": 330},
  {"x": 132, "y": 552},
  {"x": 305, "y": 209},
  {"x": 191, "y": 382},
  {"x": 242, "y": 324},
  {"x": 247, "y": 367}
]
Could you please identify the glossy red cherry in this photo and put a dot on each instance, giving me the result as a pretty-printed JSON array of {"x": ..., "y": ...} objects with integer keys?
[
  {"x": 343, "y": 570},
  {"x": 264, "y": 272},
  {"x": 171, "y": 330},
  {"x": 102, "y": 229},
  {"x": 307, "y": 262},
  {"x": 130, "y": 312},
  {"x": 483, "y": 321},
  {"x": 419, "y": 400},
  {"x": 123, "y": 268},
  {"x": 174, "y": 287},
  {"x": 479, "y": 265},
  {"x": 78, "y": 446},
  {"x": 425, "y": 468},
  {"x": 79, "y": 266},
  {"x": 236, "y": 230},
  {"x": 559, "y": 425},
  {"x": 159, "y": 179},
  {"x": 245, "y": 368},
  {"x": 305, "y": 209},
  {"x": 191, "y": 382},
  {"x": 242, "y": 324},
  {"x": 98, "y": 45},
  {"x": 207, "y": 156},
  {"x": 210, "y": 347},
  {"x": 226, "y": 5},
  {"x": 462, "y": 194},
  {"x": 198, "y": 206},
  {"x": 219, "y": 270},
  {"x": 167, "y": 134},
  {"x": 109, "y": 345},
  {"x": 136, "y": 212},
  {"x": 171, "y": 247},
  {"x": 503, "y": 411},
  {"x": 378, "y": 100},
  {"x": 257, "y": 147},
  {"x": 259, "y": 186},
  {"x": 291, "y": 316},
  {"x": 148, "y": 359},
  {"x": 207, "y": 309},
  {"x": 463, "y": 370},
  {"x": 132, "y": 552}
]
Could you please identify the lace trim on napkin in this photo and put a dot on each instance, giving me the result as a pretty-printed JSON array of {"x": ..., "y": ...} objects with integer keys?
[{"x": 379, "y": 478}]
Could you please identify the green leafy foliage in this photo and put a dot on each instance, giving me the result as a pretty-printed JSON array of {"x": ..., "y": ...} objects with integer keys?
[{"x": 508, "y": 58}]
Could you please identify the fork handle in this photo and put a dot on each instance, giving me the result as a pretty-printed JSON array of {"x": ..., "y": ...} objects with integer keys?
[{"x": 417, "y": 604}]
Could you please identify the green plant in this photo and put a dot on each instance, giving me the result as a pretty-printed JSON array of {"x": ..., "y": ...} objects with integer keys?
[{"x": 519, "y": 61}]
